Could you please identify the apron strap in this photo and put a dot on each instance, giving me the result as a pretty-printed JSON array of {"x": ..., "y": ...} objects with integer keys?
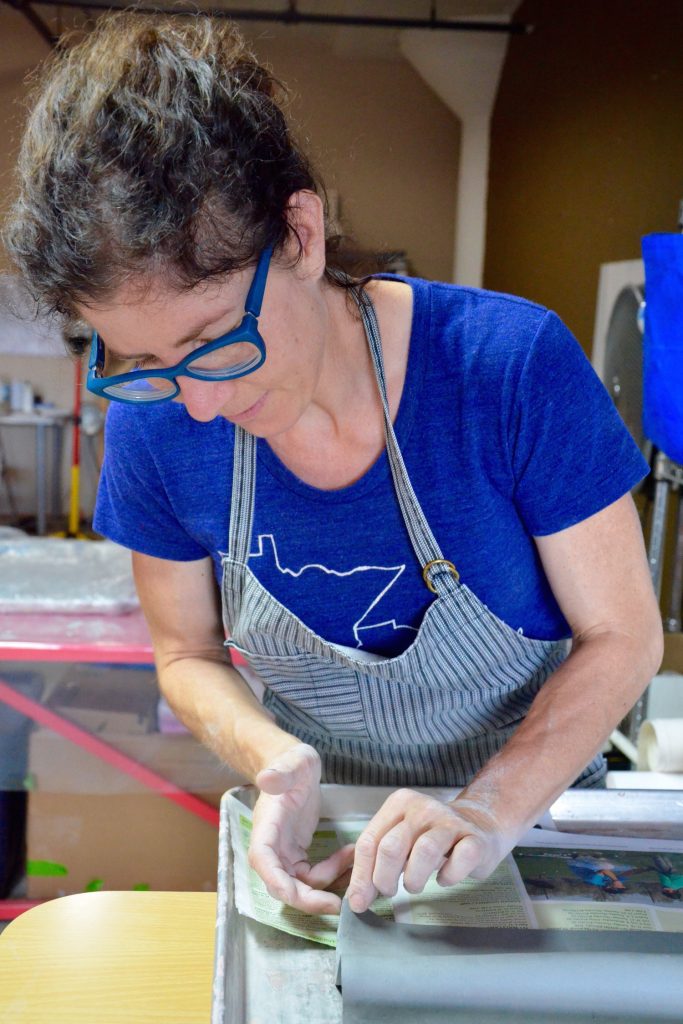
[
  {"x": 436, "y": 569},
  {"x": 243, "y": 491},
  {"x": 438, "y": 573}
]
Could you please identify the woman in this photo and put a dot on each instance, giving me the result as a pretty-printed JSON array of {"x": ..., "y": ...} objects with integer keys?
[{"x": 411, "y": 494}]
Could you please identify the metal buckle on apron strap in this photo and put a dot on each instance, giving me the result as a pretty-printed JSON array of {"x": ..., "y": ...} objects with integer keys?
[{"x": 438, "y": 561}]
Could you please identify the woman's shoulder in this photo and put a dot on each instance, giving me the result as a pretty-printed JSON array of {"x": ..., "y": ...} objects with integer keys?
[
  {"x": 461, "y": 322},
  {"x": 479, "y": 335},
  {"x": 481, "y": 307},
  {"x": 478, "y": 316}
]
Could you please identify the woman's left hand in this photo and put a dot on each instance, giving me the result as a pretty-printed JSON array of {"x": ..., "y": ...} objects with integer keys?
[
  {"x": 285, "y": 818},
  {"x": 415, "y": 835}
]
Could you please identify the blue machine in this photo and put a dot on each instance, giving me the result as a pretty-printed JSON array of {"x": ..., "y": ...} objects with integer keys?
[{"x": 663, "y": 343}]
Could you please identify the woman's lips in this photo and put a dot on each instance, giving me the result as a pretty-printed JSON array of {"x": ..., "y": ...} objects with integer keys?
[{"x": 249, "y": 413}]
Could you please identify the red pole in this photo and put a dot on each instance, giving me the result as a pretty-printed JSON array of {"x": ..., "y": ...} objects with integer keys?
[
  {"x": 74, "y": 498},
  {"x": 116, "y": 758}
]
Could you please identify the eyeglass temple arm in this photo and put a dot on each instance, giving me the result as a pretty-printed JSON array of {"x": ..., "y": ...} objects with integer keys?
[
  {"x": 95, "y": 349},
  {"x": 258, "y": 285}
]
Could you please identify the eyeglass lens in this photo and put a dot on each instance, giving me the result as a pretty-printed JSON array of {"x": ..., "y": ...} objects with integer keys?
[{"x": 229, "y": 361}]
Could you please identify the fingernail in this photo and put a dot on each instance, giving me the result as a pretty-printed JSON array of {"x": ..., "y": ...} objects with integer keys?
[{"x": 356, "y": 903}]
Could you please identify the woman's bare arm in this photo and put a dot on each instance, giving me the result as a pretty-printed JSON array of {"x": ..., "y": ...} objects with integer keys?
[
  {"x": 181, "y": 604},
  {"x": 599, "y": 574}
]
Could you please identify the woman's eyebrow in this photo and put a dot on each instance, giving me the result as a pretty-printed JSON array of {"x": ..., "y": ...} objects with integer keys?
[{"x": 194, "y": 335}]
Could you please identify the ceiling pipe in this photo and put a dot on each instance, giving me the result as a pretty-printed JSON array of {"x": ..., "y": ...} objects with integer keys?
[
  {"x": 293, "y": 16},
  {"x": 465, "y": 74}
]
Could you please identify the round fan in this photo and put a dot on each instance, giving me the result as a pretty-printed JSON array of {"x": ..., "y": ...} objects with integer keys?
[{"x": 623, "y": 365}]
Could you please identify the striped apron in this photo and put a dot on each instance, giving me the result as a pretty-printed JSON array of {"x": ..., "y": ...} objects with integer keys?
[{"x": 431, "y": 716}]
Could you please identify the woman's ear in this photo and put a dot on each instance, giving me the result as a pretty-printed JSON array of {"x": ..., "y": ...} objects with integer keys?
[{"x": 306, "y": 243}]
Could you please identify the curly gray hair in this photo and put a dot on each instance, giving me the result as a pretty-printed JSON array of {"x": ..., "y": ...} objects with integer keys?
[{"x": 154, "y": 145}]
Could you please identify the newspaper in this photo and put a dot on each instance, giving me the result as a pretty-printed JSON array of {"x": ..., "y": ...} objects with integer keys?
[
  {"x": 252, "y": 898},
  {"x": 550, "y": 880}
]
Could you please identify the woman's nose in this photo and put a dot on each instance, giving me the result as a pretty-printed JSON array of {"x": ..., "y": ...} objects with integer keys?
[{"x": 203, "y": 399}]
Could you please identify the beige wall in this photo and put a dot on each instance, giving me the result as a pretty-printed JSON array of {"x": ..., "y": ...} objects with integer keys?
[
  {"x": 21, "y": 50},
  {"x": 376, "y": 132},
  {"x": 378, "y": 135},
  {"x": 586, "y": 149}
]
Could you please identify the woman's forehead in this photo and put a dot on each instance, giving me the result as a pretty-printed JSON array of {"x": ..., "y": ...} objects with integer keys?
[
  {"x": 154, "y": 291},
  {"x": 161, "y": 314}
]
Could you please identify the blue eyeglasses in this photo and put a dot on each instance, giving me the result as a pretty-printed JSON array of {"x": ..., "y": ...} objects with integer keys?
[{"x": 235, "y": 354}]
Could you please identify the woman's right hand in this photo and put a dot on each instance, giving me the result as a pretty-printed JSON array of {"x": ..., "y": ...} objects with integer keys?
[{"x": 285, "y": 817}]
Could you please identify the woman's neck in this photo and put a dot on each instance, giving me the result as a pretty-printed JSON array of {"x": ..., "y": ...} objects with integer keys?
[{"x": 341, "y": 433}]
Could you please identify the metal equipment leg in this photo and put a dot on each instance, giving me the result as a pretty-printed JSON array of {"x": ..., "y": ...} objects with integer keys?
[
  {"x": 5, "y": 483},
  {"x": 658, "y": 529},
  {"x": 56, "y": 471},
  {"x": 668, "y": 476},
  {"x": 41, "y": 511},
  {"x": 673, "y": 621}
]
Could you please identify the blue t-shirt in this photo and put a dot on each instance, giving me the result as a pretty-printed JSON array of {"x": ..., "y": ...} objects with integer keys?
[{"x": 506, "y": 433}]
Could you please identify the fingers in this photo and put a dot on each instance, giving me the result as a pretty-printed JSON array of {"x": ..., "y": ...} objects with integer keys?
[
  {"x": 316, "y": 901},
  {"x": 285, "y": 887},
  {"x": 393, "y": 850},
  {"x": 296, "y": 893},
  {"x": 429, "y": 852},
  {"x": 329, "y": 871},
  {"x": 467, "y": 856},
  {"x": 363, "y": 888},
  {"x": 342, "y": 883},
  {"x": 415, "y": 835},
  {"x": 385, "y": 845},
  {"x": 282, "y": 829},
  {"x": 362, "y": 892},
  {"x": 411, "y": 834}
]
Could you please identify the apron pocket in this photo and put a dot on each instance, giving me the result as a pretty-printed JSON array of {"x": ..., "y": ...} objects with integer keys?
[{"x": 303, "y": 693}]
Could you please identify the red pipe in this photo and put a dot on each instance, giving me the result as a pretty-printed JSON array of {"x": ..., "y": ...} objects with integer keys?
[
  {"x": 9, "y": 909},
  {"x": 98, "y": 748}
]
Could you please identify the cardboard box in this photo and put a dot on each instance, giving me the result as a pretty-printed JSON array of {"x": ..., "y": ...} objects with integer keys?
[
  {"x": 58, "y": 766},
  {"x": 91, "y": 826},
  {"x": 117, "y": 842}
]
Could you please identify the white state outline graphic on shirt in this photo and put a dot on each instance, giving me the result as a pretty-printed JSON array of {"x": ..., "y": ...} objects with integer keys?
[{"x": 357, "y": 628}]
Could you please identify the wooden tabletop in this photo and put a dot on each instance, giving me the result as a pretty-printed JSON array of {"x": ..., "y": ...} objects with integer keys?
[{"x": 110, "y": 957}]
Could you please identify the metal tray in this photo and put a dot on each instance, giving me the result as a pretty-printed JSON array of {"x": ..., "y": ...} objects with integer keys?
[{"x": 266, "y": 977}]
